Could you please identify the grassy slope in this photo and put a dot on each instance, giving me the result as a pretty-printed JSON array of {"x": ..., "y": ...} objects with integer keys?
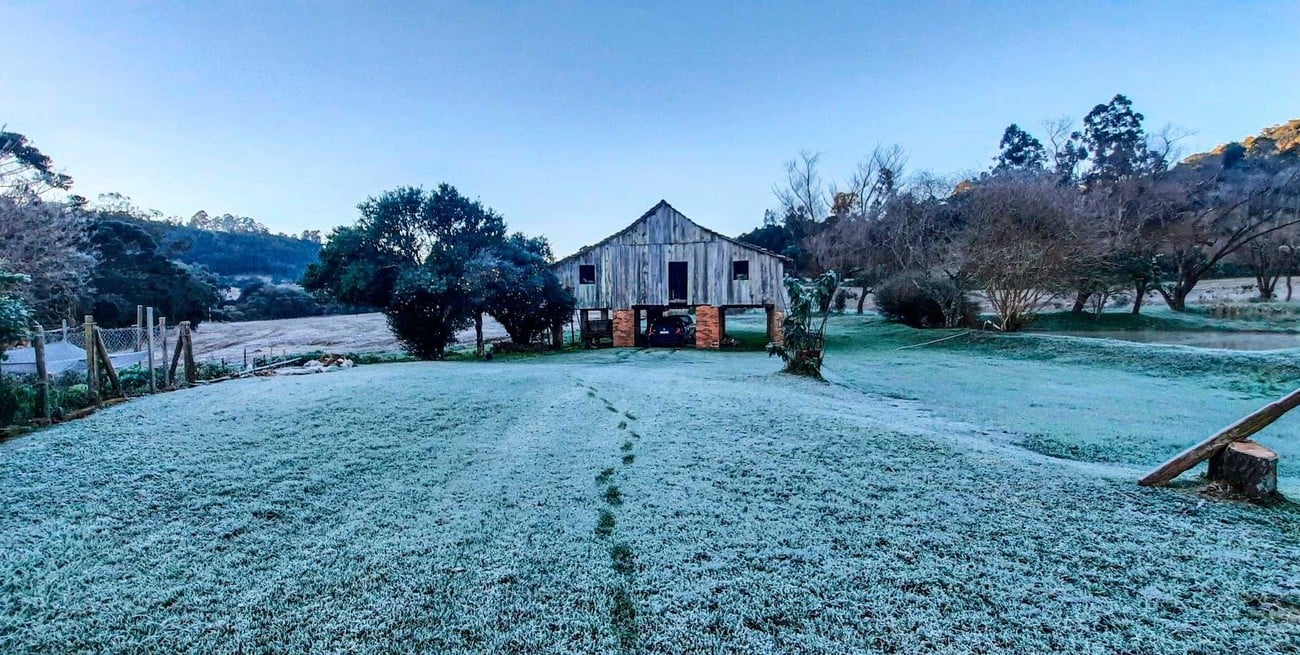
[
  {"x": 451, "y": 507},
  {"x": 1084, "y": 399}
]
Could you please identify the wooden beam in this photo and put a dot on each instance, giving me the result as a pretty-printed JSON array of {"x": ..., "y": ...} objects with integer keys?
[
  {"x": 42, "y": 375},
  {"x": 108, "y": 364},
  {"x": 1236, "y": 432}
]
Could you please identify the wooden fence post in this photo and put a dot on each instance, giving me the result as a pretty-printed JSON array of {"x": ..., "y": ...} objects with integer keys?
[
  {"x": 191, "y": 371},
  {"x": 148, "y": 323},
  {"x": 139, "y": 323},
  {"x": 162, "y": 331},
  {"x": 92, "y": 374},
  {"x": 108, "y": 364},
  {"x": 42, "y": 375},
  {"x": 176, "y": 355}
]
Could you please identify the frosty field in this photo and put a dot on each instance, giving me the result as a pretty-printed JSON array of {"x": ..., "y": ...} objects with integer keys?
[{"x": 975, "y": 496}]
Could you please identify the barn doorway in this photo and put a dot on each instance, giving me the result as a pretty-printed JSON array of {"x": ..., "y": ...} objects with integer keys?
[{"x": 677, "y": 276}]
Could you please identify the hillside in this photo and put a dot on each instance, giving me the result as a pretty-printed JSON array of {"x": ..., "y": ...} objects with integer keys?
[{"x": 231, "y": 254}]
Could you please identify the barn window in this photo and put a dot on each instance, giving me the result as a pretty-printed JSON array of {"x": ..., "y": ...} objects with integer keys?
[
  {"x": 586, "y": 273},
  {"x": 740, "y": 269}
]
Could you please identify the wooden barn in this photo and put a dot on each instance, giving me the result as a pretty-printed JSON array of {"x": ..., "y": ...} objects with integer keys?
[{"x": 664, "y": 261}]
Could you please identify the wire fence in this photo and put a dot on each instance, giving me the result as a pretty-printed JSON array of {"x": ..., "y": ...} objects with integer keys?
[{"x": 65, "y": 348}]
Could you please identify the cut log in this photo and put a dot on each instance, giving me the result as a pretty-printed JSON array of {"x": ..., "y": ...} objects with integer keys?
[
  {"x": 1236, "y": 432},
  {"x": 1249, "y": 468}
]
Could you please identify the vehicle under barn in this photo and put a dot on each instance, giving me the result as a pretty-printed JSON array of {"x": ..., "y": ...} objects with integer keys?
[{"x": 666, "y": 262}]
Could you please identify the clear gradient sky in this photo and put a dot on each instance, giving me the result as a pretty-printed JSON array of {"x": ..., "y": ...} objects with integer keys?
[{"x": 574, "y": 118}]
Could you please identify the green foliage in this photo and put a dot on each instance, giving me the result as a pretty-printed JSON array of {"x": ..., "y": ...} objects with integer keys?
[
  {"x": 433, "y": 260},
  {"x": 783, "y": 235},
  {"x": 133, "y": 271},
  {"x": 515, "y": 285},
  {"x": 802, "y": 347},
  {"x": 14, "y": 317},
  {"x": 261, "y": 302},
  {"x": 1019, "y": 151},
  {"x": 24, "y": 167},
  {"x": 426, "y": 309},
  {"x": 1116, "y": 142},
  {"x": 17, "y": 401}
]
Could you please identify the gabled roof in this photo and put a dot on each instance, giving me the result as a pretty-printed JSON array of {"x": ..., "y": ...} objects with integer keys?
[{"x": 654, "y": 210}]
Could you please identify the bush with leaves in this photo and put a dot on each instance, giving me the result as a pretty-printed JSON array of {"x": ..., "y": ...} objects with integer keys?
[
  {"x": 803, "y": 344},
  {"x": 13, "y": 311},
  {"x": 917, "y": 300},
  {"x": 517, "y": 287}
]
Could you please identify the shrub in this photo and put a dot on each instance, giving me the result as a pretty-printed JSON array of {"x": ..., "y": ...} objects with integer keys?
[
  {"x": 74, "y": 398},
  {"x": 15, "y": 401},
  {"x": 919, "y": 301}
]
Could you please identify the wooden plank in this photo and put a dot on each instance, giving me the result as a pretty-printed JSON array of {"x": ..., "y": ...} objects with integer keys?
[
  {"x": 92, "y": 374},
  {"x": 148, "y": 324},
  {"x": 191, "y": 371},
  {"x": 42, "y": 375},
  {"x": 102, "y": 351},
  {"x": 1236, "y": 432}
]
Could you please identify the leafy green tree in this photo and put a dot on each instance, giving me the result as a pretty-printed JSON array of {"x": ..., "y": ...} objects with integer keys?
[
  {"x": 1116, "y": 142},
  {"x": 263, "y": 302},
  {"x": 802, "y": 347},
  {"x": 520, "y": 291},
  {"x": 13, "y": 311},
  {"x": 409, "y": 253},
  {"x": 24, "y": 168},
  {"x": 1019, "y": 151},
  {"x": 133, "y": 272}
]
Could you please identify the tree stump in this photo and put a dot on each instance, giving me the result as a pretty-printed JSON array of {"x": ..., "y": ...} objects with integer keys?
[{"x": 1249, "y": 468}]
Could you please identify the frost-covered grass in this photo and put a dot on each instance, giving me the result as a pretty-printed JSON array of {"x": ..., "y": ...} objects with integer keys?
[{"x": 491, "y": 508}]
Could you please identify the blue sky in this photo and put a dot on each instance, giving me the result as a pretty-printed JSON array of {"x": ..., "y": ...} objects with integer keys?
[{"x": 574, "y": 118}]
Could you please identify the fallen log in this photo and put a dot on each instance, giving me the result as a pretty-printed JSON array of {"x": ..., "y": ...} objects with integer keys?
[
  {"x": 1249, "y": 468},
  {"x": 1238, "y": 431}
]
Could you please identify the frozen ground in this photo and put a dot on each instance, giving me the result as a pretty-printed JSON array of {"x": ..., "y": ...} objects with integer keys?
[
  {"x": 657, "y": 501},
  {"x": 355, "y": 333}
]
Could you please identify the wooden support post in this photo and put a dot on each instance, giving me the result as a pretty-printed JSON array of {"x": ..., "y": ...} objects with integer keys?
[
  {"x": 139, "y": 324},
  {"x": 1236, "y": 432},
  {"x": 191, "y": 371},
  {"x": 162, "y": 334},
  {"x": 42, "y": 375},
  {"x": 176, "y": 358},
  {"x": 108, "y": 364},
  {"x": 92, "y": 373},
  {"x": 148, "y": 322}
]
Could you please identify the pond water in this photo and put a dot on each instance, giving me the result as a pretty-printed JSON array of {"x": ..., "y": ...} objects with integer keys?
[{"x": 1207, "y": 339}]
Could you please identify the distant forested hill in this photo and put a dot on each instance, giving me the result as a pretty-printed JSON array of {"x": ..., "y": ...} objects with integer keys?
[{"x": 253, "y": 252}]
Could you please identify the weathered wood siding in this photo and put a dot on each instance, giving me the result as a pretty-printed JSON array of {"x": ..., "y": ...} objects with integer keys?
[{"x": 632, "y": 266}]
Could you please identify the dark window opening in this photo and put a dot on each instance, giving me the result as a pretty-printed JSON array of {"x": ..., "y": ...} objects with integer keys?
[
  {"x": 677, "y": 282},
  {"x": 740, "y": 269},
  {"x": 586, "y": 274}
]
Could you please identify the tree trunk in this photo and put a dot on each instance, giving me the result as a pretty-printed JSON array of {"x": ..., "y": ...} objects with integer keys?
[
  {"x": 1080, "y": 302},
  {"x": 1288, "y": 287},
  {"x": 1249, "y": 468},
  {"x": 862, "y": 298},
  {"x": 1139, "y": 295},
  {"x": 478, "y": 333}
]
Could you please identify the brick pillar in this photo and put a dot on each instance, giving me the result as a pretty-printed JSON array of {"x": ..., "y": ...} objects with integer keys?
[
  {"x": 624, "y": 328},
  {"x": 775, "y": 325},
  {"x": 707, "y": 326}
]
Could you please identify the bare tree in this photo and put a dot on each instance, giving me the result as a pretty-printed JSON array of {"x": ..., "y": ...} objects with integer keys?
[
  {"x": 1225, "y": 210},
  {"x": 1027, "y": 237},
  {"x": 48, "y": 244},
  {"x": 803, "y": 193}
]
